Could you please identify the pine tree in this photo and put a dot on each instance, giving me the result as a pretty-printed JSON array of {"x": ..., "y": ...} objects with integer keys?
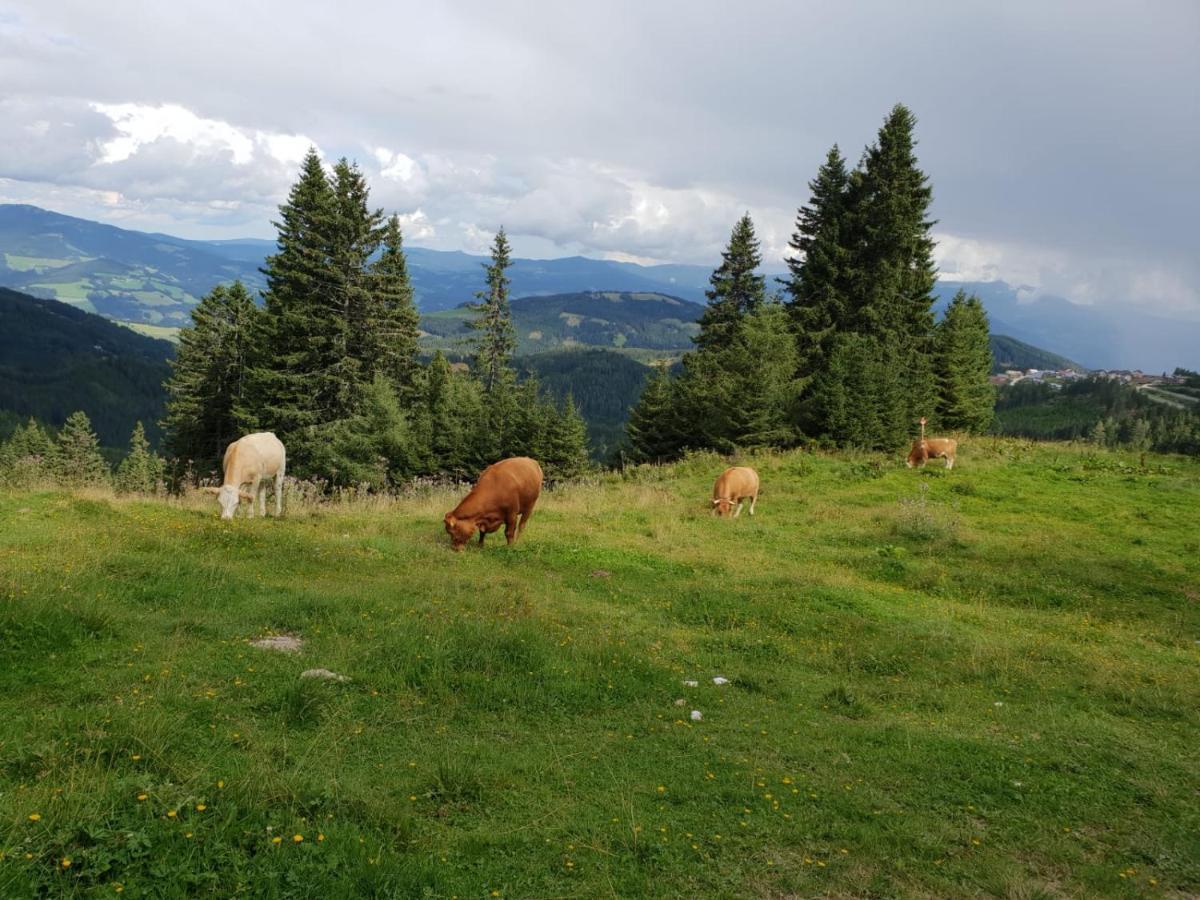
[
  {"x": 819, "y": 282},
  {"x": 355, "y": 352},
  {"x": 141, "y": 471},
  {"x": 1099, "y": 434},
  {"x": 375, "y": 447},
  {"x": 395, "y": 323},
  {"x": 736, "y": 288},
  {"x": 963, "y": 363},
  {"x": 292, "y": 385},
  {"x": 654, "y": 426},
  {"x": 892, "y": 272},
  {"x": 450, "y": 423},
  {"x": 207, "y": 393},
  {"x": 494, "y": 347},
  {"x": 566, "y": 443},
  {"x": 26, "y": 457},
  {"x": 76, "y": 460}
]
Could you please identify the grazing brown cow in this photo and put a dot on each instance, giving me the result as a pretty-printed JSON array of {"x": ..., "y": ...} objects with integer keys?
[
  {"x": 926, "y": 449},
  {"x": 504, "y": 492},
  {"x": 732, "y": 488}
]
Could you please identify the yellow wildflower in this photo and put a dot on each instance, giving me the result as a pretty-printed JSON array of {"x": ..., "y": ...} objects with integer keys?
[
  {"x": 297, "y": 838},
  {"x": 34, "y": 817}
]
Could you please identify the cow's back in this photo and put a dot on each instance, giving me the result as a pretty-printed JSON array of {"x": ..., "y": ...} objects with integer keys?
[
  {"x": 261, "y": 454},
  {"x": 736, "y": 481},
  {"x": 511, "y": 483}
]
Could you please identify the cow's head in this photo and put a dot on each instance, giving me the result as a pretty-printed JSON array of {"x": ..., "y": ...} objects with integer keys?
[
  {"x": 228, "y": 498},
  {"x": 918, "y": 454},
  {"x": 460, "y": 530},
  {"x": 722, "y": 507}
]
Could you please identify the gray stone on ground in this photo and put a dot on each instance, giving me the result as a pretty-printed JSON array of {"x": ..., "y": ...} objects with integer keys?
[
  {"x": 600, "y": 573},
  {"x": 284, "y": 643},
  {"x": 323, "y": 673}
]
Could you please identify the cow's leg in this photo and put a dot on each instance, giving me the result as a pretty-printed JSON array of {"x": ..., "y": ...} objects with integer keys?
[
  {"x": 949, "y": 462},
  {"x": 482, "y": 535},
  {"x": 510, "y": 528},
  {"x": 525, "y": 516},
  {"x": 737, "y": 512},
  {"x": 253, "y": 498},
  {"x": 753, "y": 500},
  {"x": 262, "y": 498},
  {"x": 279, "y": 493}
]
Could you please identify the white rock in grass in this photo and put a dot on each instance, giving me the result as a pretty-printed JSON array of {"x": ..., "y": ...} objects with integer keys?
[
  {"x": 720, "y": 679},
  {"x": 284, "y": 643},
  {"x": 691, "y": 684},
  {"x": 697, "y": 715},
  {"x": 680, "y": 702},
  {"x": 323, "y": 673}
]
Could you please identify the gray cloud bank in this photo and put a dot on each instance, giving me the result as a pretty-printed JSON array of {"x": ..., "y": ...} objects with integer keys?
[{"x": 1061, "y": 138}]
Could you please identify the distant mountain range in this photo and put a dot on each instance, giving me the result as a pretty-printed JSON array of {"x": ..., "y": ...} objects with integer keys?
[{"x": 151, "y": 281}]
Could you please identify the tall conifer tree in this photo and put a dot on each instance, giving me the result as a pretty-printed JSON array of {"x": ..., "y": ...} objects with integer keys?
[
  {"x": 394, "y": 321},
  {"x": 207, "y": 393},
  {"x": 494, "y": 347},
  {"x": 819, "y": 281},
  {"x": 736, "y": 288},
  {"x": 963, "y": 360},
  {"x": 76, "y": 460},
  {"x": 291, "y": 383}
]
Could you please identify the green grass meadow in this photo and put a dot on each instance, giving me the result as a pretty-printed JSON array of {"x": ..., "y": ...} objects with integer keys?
[{"x": 974, "y": 683}]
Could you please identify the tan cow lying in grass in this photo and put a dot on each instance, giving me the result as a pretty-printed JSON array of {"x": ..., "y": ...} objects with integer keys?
[
  {"x": 252, "y": 460},
  {"x": 505, "y": 493},
  {"x": 925, "y": 449},
  {"x": 733, "y": 486}
]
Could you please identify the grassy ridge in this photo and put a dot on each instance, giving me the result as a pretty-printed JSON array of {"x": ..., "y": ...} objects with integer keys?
[{"x": 942, "y": 684}]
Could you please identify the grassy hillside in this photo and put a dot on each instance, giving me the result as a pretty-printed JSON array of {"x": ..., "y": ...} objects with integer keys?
[
  {"x": 958, "y": 684},
  {"x": 1009, "y": 353},
  {"x": 123, "y": 275},
  {"x": 609, "y": 319},
  {"x": 55, "y": 359}
]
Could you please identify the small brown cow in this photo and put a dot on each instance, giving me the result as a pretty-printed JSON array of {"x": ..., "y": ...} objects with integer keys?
[
  {"x": 505, "y": 493},
  {"x": 925, "y": 449},
  {"x": 732, "y": 488}
]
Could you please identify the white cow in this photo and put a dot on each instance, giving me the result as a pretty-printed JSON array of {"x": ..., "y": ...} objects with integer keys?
[{"x": 253, "y": 460}]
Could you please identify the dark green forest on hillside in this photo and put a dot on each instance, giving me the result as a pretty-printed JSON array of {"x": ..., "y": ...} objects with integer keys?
[
  {"x": 1102, "y": 410},
  {"x": 604, "y": 385},
  {"x": 55, "y": 360}
]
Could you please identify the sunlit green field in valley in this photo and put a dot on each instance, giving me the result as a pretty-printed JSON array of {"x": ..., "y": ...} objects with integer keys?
[{"x": 981, "y": 682}]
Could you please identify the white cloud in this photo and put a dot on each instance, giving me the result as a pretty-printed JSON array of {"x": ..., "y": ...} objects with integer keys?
[{"x": 138, "y": 124}]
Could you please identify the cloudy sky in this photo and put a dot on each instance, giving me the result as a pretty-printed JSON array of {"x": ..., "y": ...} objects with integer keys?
[{"x": 1062, "y": 138}]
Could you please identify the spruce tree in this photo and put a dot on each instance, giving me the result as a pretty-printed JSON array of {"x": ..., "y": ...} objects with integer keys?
[
  {"x": 394, "y": 324},
  {"x": 26, "y": 457},
  {"x": 654, "y": 428},
  {"x": 141, "y": 471},
  {"x": 736, "y": 288},
  {"x": 208, "y": 402},
  {"x": 819, "y": 281},
  {"x": 566, "y": 443},
  {"x": 451, "y": 421},
  {"x": 963, "y": 363},
  {"x": 353, "y": 316},
  {"x": 494, "y": 347},
  {"x": 293, "y": 385},
  {"x": 892, "y": 272},
  {"x": 76, "y": 460}
]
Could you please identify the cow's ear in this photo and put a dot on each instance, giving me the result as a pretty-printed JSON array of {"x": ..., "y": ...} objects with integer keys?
[
  {"x": 211, "y": 490},
  {"x": 246, "y": 496}
]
